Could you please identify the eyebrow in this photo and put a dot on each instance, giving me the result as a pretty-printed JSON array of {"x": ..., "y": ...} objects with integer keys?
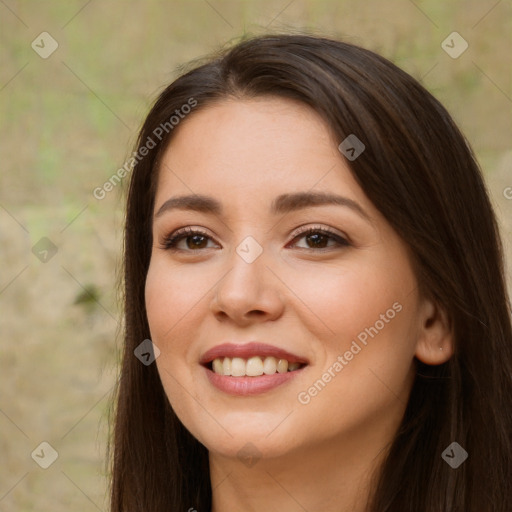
[{"x": 282, "y": 204}]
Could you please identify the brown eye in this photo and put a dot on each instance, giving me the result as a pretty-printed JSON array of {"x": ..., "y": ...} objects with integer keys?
[
  {"x": 319, "y": 238},
  {"x": 194, "y": 239}
]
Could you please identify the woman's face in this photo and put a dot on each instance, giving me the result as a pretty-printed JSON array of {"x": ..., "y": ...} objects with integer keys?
[{"x": 328, "y": 283}]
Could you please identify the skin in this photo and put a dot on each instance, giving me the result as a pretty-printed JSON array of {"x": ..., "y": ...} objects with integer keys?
[{"x": 314, "y": 303}]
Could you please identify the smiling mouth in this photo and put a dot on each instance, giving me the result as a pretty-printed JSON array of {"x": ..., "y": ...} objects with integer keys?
[{"x": 252, "y": 367}]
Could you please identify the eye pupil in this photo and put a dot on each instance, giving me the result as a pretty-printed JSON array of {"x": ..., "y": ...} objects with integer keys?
[
  {"x": 194, "y": 244},
  {"x": 317, "y": 239}
]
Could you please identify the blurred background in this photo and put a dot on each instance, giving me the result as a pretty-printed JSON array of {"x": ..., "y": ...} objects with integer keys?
[{"x": 76, "y": 79}]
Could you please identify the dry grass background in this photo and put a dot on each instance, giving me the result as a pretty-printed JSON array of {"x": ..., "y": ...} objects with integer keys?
[{"x": 68, "y": 122}]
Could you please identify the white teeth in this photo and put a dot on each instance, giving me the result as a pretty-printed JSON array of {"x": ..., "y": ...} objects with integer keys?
[
  {"x": 226, "y": 366},
  {"x": 218, "y": 367},
  {"x": 269, "y": 365},
  {"x": 252, "y": 367},
  {"x": 237, "y": 367},
  {"x": 282, "y": 366}
]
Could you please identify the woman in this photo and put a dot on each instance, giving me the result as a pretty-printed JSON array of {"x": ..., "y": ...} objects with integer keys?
[{"x": 311, "y": 250}]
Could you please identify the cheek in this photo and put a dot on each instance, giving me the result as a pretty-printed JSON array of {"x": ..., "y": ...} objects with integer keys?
[
  {"x": 174, "y": 309},
  {"x": 171, "y": 296},
  {"x": 342, "y": 302},
  {"x": 367, "y": 315}
]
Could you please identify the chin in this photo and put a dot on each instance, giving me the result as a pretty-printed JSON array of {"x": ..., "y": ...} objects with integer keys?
[{"x": 248, "y": 439}]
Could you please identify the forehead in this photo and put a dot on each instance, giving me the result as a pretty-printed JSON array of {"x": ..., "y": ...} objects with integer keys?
[{"x": 239, "y": 150}]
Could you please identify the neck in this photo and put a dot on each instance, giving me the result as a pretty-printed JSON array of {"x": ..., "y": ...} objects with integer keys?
[{"x": 334, "y": 476}]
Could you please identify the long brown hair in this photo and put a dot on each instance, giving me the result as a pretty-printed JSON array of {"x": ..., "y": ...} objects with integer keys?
[{"x": 420, "y": 172}]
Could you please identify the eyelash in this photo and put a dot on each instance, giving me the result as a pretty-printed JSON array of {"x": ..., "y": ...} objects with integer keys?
[{"x": 170, "y": 241}]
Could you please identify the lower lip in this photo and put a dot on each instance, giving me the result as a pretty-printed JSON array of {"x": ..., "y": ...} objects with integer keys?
[{"x": 244, "y": 386}]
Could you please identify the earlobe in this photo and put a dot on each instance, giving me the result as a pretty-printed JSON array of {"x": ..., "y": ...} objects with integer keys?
[{"x": 435, "y": 342}]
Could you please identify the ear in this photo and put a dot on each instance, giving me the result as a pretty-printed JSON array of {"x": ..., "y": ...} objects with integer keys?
[{"x": 435, "y": 342}]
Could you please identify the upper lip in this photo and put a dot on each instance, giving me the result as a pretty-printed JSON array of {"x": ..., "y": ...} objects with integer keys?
[{"x": 247, "y": 350}]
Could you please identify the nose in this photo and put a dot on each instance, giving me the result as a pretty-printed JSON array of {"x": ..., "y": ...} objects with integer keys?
[{"x": 248, "y": 292}]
